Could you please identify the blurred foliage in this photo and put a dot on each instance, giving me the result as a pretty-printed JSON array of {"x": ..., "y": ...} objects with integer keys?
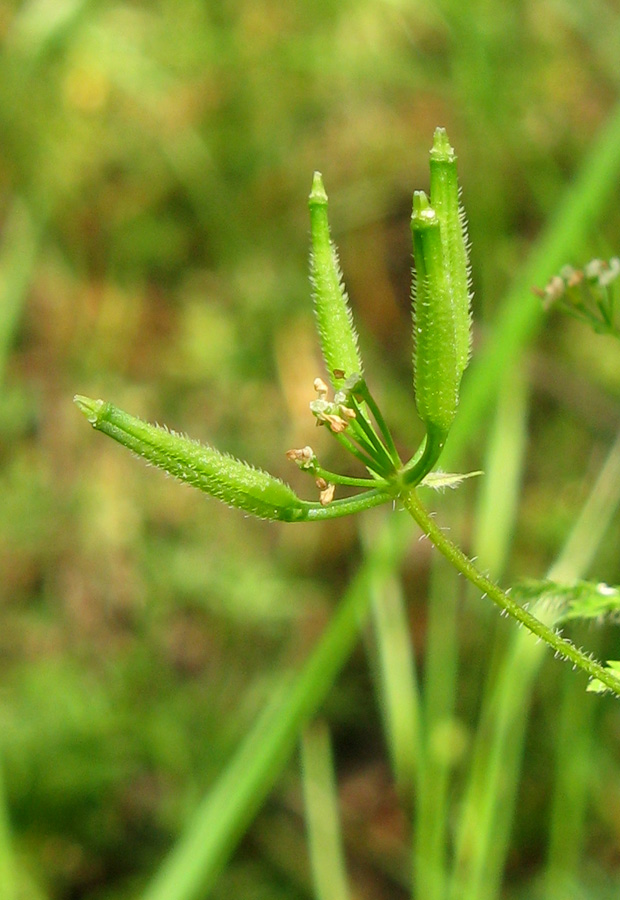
[{"x": 155, "y": 160}]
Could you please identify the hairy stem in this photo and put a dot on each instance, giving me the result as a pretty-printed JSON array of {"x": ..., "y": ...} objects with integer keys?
[{"x": 562, "y": 646}]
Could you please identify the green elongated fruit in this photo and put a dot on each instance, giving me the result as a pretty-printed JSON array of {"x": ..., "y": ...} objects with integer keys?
[
  {"x": 218, "y": 474},
  {"x": 442, "y": 304},
  {"x": 437, "y": 372},
  {"x": 222, "y": 476},
  {"x": 331, "y": 306},
  {"x": 445, "y": 201}
]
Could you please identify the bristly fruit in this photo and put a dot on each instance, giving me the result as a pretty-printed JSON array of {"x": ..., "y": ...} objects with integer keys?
[
  {"x": 331, "y": 306},
  {"x": 445, "y": 200},
  {"x": 441, "y": 305},
  {"x": 222, "y": 476},
  {"x": 436, "y": 367}
]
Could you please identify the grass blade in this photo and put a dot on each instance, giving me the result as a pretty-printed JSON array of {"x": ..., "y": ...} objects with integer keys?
[
  {"x": 399, "y": 699},
  {"x": 323, "y": 821}
]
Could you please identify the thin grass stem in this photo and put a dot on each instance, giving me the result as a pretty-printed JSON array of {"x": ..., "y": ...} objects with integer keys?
[{"x": 322, "y": 816}]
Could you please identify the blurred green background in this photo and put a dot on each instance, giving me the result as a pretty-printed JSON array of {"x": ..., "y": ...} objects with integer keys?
[{"x": 155, "y": 160}]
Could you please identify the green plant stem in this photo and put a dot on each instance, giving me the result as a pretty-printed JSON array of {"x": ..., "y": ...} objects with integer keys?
[
  {"x": 479, "y": 837},
  {"x": 432, "y": 811},
  {"x": 322, "y": 815},
  {"x": 575, "y": 762},
  {"x": 314, "y": 512},
  {"x": 367, "y": 438},
  {"x": 420, "y": 465},
  {"x": 371, "y": 464},
  {"x": 503, "y": 467},
  {"x": 397, "y": 679},
  {"x": 565, "y": 846},
  {"x": 563, "y": 647},
  {"x": 335, "y": 478},
  {"x": 381, "y": 423}
]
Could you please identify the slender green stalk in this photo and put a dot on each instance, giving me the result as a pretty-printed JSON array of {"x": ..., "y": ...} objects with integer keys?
[
  {"x": 574, "y": 763},
  {"x": 430, "y": 843},
  {"x": 322, "y": 818},
  {"x": 422, "y": 464},
  {"x": 371, "y": 464},
  {"x": 383, "y": 428},
  {"x": 503, "y": 466},
  {"x": 563, "y": 647},
  {"x": 488, "y": 806},
  {"x": 399, "y": 694},
  {"x": 347, "y": 480},
  {"x": 367, "y": 435},
  {"x": 592, "y": 522},
  {"x": 338, "y": 508}
]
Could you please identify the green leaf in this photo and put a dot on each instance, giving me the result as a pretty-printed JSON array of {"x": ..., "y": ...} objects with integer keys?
[
  {"x": 596, "y": 686},
  {"x": 581, "y": 600}
]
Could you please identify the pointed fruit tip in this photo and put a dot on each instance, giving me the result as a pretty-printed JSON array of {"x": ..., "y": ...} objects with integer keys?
[
  {"x": 90, "y": 408},
  {"x": 317, "y": 194},
  {"x": 422, "y": 212},
  {"x": 441, "y": 149}
]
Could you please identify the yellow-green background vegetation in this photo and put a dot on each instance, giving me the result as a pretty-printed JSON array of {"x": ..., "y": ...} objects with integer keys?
[{"x": 155, "y": 160}]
